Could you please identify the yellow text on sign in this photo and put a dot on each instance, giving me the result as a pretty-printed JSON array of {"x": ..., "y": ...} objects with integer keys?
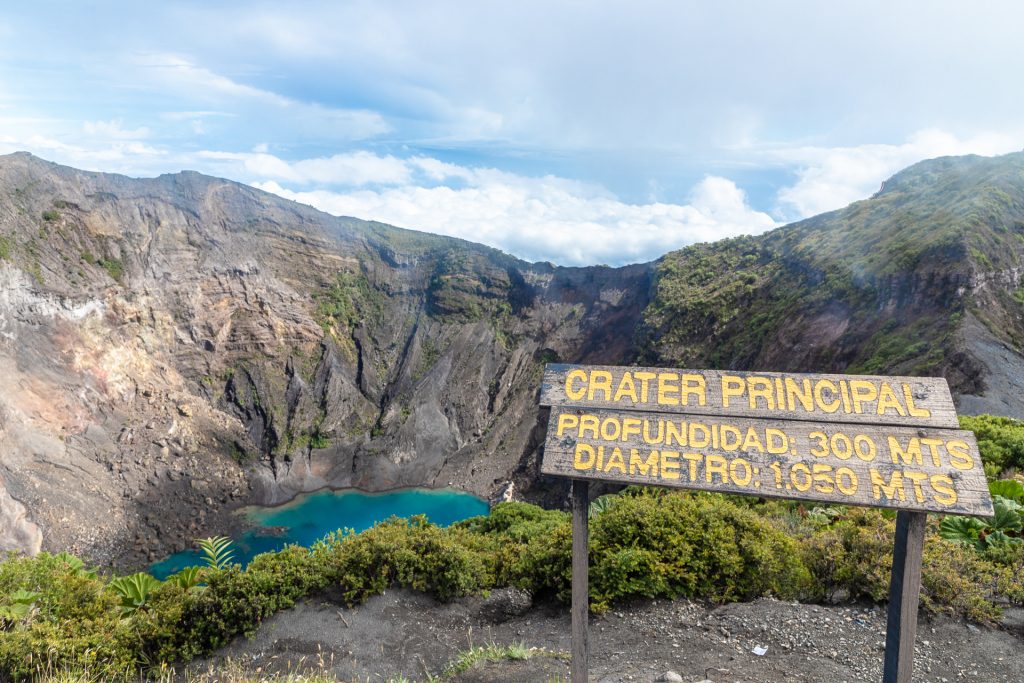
[
  {"x": 679, "y": 389},
  {"x": 768, "y": 460}
]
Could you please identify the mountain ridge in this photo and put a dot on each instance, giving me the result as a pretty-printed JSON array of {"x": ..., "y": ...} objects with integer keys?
[
  {"x": 178, "y": 346},
  {"x": 880, "y": 276}
]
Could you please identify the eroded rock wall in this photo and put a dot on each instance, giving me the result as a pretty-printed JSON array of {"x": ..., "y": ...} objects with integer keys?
[{"x": 176, "y": 347}]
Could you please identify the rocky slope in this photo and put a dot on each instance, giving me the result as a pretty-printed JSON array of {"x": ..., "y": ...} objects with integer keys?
[
  {"x": 172, "y": 348},
  {"x": 175, "y": 347}
]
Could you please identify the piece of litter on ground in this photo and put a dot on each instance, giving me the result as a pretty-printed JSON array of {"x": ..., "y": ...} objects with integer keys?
[{"x": 760, "y": 650}]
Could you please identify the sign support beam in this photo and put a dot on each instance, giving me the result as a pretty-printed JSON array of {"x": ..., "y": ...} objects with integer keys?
[
  {"x": 580, "y": 580},
  {"x": 904, "y": 591}
]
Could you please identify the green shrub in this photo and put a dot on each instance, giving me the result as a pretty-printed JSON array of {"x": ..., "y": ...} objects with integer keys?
[
  {"x": 113, "y": 266},
  {"x": 958, "y": 581},
  {"x": 433, "y": 561},
  {"x": 544, "y": 565},
  {"x": 51, "y": 215},
  {"x": 183, "y": 624},
  {"x": 411, "y": 553},
  {"x": 103, "y": 648},
  {"x": 699, "y": 545},
  {"x": 852, "y": 555},
  {"x": 217, "y": 552},
  {"x": 6, "y": 246},
  {"x": 1004, "y": 528},
  {"x": 1007, "y": 555},
  {"x": 66, "y": 590},
  {"x": 234, "y": 603},
  {"x": 75, "y": 621},
  {"x": 855, "y": 554},
  {"x": 134, "y": 591},
  {"x": 520, "y": 522},
  {"x": 1000, "y": 440},
  {"x": 531, "y": 546}
]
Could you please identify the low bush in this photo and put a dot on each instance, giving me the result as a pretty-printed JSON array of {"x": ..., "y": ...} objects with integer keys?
[
  {"x": 701, "y": 546},
  {"x": 1000, "y": 440},
  {"x": 854, "y": 555},
  {"x": 409, "y": 553}
]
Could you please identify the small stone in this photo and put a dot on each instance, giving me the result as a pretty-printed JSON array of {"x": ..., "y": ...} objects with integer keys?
[
  {"x": 185, "y": 410},
  {"x": 669, "y": 677}
]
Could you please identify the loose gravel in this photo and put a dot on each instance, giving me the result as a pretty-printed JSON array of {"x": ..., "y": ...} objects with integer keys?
[{"x": 411, "y": 635}]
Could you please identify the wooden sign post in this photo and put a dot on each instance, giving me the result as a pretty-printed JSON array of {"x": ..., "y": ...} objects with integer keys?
[{"x": 844, "y": 439}]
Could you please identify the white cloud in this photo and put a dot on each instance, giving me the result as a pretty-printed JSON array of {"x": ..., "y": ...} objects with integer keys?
[
  {"x": 542, "y": 75},
  {"x": 546, "y": 219},
  {"x": 114, "y": 129},
  {"x": 123, "y": 156},
  {"x": 190, "y": 115},
  {"x": 351, "y": 169},
  {"x": 196, "y": 82},
  {"x": 354, "y": 168},
  {"x": 175, "y": 69},
  {"x": 831, "y": 178}
]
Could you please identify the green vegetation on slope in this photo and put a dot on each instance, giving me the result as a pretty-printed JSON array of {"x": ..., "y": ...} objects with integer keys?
[
  {"x": 346, "y": 302},
  {"x": 877, "y": 287},
  {"x": 1001, "y": 538},
  {"x": 467, "y": 287},
  {"x": 1001, "y": 441}
]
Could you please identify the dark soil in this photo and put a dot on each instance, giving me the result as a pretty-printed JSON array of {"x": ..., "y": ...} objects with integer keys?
[{"x": 409, "y": 634}]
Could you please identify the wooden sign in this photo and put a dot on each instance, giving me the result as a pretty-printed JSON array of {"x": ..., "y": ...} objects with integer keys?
[{"x": 845, "y": 439}]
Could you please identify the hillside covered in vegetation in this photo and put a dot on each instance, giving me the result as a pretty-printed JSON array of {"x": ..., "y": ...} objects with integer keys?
[{"x": 915, "y": 280}]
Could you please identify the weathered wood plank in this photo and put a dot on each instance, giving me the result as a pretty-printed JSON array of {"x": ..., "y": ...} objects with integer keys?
[
  {"x": 935, "y": 470},
  {"x": 909, "y": 401},
  {"x": 580, "y": 581},
  {"x": 904, "y": 592}
]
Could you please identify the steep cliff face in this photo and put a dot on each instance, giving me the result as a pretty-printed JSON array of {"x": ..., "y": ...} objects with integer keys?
[
  {"x": 173, "y": 348},
  {"x": 177, "y": 346}
]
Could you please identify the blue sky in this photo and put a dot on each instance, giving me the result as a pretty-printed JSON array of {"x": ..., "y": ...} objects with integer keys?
[{"x": 575, "y": 132}]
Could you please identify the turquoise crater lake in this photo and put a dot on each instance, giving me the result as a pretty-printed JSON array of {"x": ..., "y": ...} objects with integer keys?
[{"x": 311, "y": 516}]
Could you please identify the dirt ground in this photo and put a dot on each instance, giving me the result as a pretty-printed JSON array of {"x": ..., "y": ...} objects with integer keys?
[{"x": 408, "y": 634}]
